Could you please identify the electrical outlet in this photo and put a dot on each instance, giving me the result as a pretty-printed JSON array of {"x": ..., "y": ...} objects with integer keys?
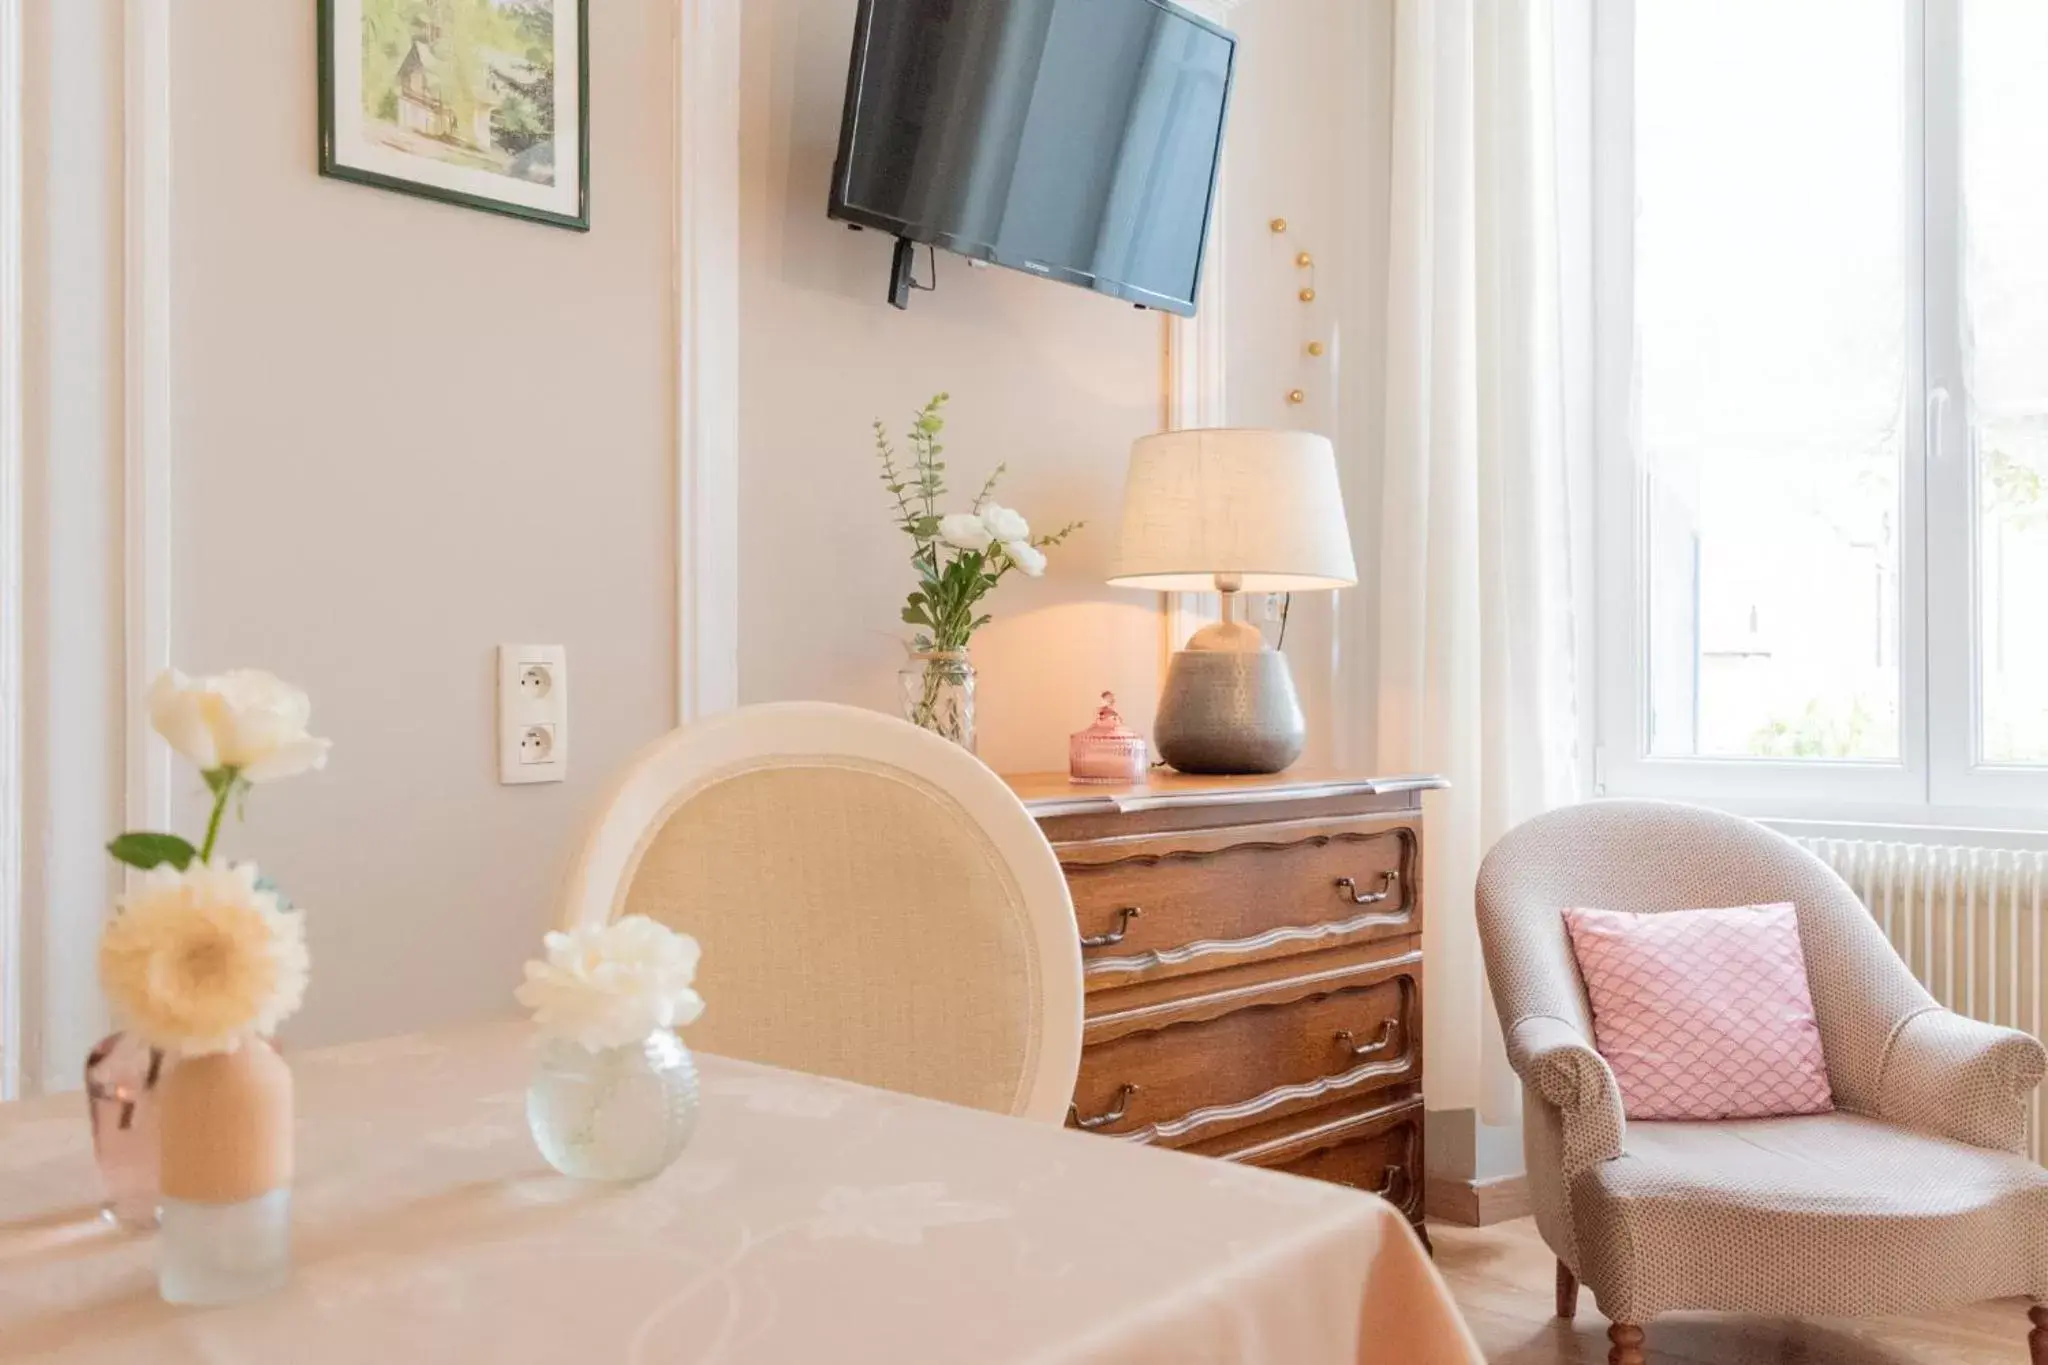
[
  {"x": 536, "y": 744},
  {"x": 533, "y": 714},
  {"x": 536, "y": 681}
]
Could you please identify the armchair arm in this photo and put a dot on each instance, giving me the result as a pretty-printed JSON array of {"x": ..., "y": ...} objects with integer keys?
[
  {"x": 1947, "y": 1074},
  {"x": 1555, "y": 1060}
]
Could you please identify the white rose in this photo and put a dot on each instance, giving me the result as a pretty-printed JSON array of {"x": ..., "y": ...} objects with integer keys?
[
  {"x": 247, "y": 720},
  {"x": 613, "y": 986},
  {"x": 1004, "y": 523},
  {"x": 1026, "y": 556},
  {"x": 964, "y": 531}
]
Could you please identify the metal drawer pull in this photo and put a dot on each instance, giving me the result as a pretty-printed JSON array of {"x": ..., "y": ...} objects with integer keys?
[
  {"x": 1116, "y": 935},
  {"x": 1115, "y": 1112},
  {"x": 1388, "y": 881},
  {"x": 1373, "y": 1048},
  {"x": 1396, "y": 1178}
]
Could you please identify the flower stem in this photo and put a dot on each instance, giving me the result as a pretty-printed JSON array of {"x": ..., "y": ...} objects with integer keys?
[{"x": 223, "y": 789}]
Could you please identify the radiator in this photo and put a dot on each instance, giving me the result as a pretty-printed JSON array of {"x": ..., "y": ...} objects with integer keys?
[{"x": 1968, "y": 922}]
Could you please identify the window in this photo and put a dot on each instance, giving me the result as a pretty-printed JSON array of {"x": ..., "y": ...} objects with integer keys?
[{"x": 1821, "y": 256}]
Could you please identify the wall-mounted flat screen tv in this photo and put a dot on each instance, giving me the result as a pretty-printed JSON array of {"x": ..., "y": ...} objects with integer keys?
[{"x": 1074, "y": 139}]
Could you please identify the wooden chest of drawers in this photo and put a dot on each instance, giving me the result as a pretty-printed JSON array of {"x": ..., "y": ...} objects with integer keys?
[{"x": 1253, "y": 950}]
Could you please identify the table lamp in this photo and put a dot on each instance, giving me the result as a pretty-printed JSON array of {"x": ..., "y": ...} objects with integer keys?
[{"x": 1232, "y": 511}]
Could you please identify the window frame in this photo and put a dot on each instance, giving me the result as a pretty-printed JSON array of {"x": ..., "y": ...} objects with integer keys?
[{"x": 1939, "y": 777}]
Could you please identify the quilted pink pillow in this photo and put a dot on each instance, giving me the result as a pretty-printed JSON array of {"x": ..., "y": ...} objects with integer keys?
[{"x": 1703, "y": 1014}]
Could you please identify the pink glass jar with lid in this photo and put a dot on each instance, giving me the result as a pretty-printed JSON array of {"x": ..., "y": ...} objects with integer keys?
[{"x": 1108, "y": 750}]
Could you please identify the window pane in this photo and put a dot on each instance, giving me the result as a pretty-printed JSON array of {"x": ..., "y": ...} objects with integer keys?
[
  {"x": 2005, "y": 282},
  {"x": 1770, "y": 299}
]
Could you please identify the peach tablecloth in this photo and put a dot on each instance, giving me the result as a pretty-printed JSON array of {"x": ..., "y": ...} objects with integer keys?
[{"x": 810, "y": 1221}]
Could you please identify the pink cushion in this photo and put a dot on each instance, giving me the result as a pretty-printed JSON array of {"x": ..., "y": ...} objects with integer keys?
[{"x": 1703, "y": 1014}]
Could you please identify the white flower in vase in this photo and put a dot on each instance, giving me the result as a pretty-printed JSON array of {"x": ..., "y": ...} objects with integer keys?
[
  {"x": 247, "y": 720},
  {"x": 965, "y": 531},
  {"x": 613, "y": 986},
  {"x": 614, "y": 1092},
  {"x": 959, "y": 558},
  {"x": 1026, "y": 556},
  {"x": 201, "y": 957},
  {"x": 1005, "y": 524},
  {"x": 200, "y": 960}
]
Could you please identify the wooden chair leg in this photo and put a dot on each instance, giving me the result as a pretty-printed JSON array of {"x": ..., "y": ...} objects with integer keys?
[
  {"x": 1567, "y": 1292},
  {"x": 1628, "y": 1344},
  {"x": 2037, "y": 1340}
]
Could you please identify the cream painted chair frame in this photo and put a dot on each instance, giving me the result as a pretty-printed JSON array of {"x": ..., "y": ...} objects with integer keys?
[{"x": 686, "y": 762}]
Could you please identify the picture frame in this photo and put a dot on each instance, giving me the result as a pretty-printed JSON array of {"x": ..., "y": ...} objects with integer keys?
[{"x": 469, "y": 102}]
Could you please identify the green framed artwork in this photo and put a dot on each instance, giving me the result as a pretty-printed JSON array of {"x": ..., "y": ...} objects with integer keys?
[{"x": 483, "y": 103}]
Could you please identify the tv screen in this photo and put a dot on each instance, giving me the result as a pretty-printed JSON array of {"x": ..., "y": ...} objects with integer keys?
[{"x": 1075, "y": 139}]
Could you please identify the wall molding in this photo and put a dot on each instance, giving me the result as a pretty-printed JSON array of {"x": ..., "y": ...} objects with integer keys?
[
  {"x": 1195, "y": 366},
  {"x": 707, "y": 136},
  {"x": 146, "y": 321},
  {"x": 13, "y": 565}
]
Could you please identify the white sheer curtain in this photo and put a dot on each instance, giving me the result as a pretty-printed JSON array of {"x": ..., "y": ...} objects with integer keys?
[{"x": 1483, "y": 470}]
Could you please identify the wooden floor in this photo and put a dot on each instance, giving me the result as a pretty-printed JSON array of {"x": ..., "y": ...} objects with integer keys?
[{"x": 1503, "y": 1279}]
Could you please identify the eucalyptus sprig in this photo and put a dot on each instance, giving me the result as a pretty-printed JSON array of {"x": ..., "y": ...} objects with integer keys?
[{"x": 959, "y": 557}]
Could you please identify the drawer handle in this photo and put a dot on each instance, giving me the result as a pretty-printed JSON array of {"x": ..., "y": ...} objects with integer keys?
[
  {"x": 1374, "y": 1048},
  {"x": 1116, "y": 1110},
  {"x": 1116, "y": 935},
  {"x": 1396, "y": 1178},
  {"x": 1388, "y": 881}
]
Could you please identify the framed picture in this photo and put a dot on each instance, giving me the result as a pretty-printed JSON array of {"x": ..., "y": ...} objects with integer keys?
[{"x": 484, "y": 103}]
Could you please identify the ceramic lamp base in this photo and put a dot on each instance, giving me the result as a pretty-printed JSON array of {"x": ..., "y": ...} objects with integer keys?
[
  {"x": 223, "y": 1253},
  {"x": 1227, "y": 711}
]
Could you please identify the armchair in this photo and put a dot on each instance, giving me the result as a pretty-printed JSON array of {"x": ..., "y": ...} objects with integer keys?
[{"x": 1915, "y": 1194}]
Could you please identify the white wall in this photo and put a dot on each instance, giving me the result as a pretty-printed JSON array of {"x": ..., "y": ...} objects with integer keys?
[
  {"x": 1305, "y": 130},
  {"x": 404, "y": 432},
  {"x": 1055, "y": 381}
]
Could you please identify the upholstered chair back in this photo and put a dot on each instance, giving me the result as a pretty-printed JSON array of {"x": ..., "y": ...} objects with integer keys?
[
  {"x": 873, "y": 903},
  {"x": 1653, "y": 856}
]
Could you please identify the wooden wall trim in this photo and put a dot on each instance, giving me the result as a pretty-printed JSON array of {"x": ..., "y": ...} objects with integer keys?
[{"x": 1477, "y": 1203}]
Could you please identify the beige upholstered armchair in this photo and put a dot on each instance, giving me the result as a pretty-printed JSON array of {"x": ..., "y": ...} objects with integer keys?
[{"x": 1913, "y": 1195}]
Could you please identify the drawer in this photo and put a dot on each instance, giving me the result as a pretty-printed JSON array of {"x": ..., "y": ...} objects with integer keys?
[
  {"x": 1165, "y": 906},
  {"x": 1245, "y": 1052},
  {"x": 1375, "y": 1147}
]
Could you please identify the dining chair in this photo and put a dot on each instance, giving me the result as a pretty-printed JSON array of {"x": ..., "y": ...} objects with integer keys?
[
  {"x": 873, "y": 903},
  {"x": 1915, "y": 1194}
]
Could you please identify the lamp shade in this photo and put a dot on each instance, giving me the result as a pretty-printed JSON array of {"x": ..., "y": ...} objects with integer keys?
[{"x": 1261, "y": 506}]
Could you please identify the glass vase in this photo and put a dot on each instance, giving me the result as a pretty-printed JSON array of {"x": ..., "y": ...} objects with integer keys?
[
  {"x": 617, "y": 1113},
  {"x": 121, "y": 1077},
  {"x": 938, "y": 694},
  {"x": 227, "y": 1169}
]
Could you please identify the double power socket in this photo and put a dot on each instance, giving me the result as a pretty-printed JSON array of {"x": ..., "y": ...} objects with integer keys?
[{"x": 533, "y": 714}]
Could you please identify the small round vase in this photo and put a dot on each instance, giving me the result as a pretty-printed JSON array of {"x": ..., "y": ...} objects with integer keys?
[{"x": 617, "y": 1113}]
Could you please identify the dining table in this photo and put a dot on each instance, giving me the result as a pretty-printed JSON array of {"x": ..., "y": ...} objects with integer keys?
[{"x": 809, "y": 1220}]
